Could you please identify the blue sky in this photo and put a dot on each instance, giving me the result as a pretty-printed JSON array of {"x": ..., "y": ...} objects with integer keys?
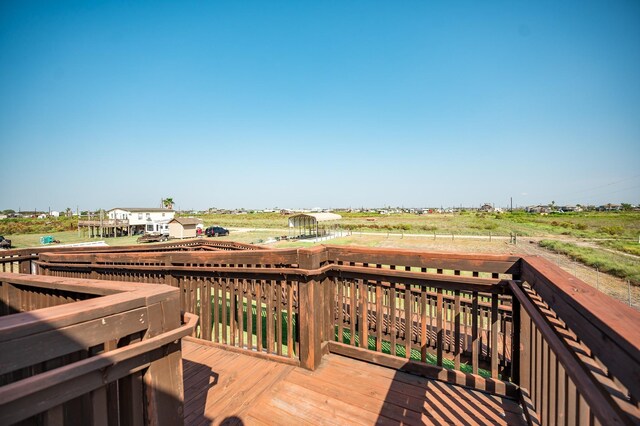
[{"x": 293, "y": 104}]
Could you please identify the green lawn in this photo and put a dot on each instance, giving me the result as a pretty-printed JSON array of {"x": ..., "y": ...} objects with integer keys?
[
  {"x": 618, "y": 225},
  {"x": 65, "y": 237}
]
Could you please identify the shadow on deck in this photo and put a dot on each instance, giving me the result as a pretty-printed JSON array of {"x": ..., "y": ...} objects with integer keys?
[{"x": 223, "y": 387}]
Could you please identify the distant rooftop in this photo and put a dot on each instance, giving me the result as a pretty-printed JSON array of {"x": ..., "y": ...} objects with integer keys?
[
  {"x": 186, "y": 220},
  {"x": 142, "y": 209}
]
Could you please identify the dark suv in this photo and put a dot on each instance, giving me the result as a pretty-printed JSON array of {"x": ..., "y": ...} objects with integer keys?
[
  {"x": 216, "y": 231},
  {"x": 4, "y": 243}
]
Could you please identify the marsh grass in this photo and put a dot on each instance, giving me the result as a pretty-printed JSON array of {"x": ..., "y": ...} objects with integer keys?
[{"x": 619, "y": 265}]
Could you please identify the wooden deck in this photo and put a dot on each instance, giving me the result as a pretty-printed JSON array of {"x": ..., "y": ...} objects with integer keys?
[{"x": 223, "y": 387}]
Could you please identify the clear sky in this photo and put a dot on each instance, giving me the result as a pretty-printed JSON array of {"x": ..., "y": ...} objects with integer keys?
[{"x": 331, "y": 103}]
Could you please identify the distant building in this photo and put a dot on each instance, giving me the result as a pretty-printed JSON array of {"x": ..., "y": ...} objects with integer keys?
[
  {"x": 184, "y": 227},
  {"x": 121, "y": 221},
  {"x": 538, "y": 209},
  {"x": 142, "y": 219},
  {"x": 309, "y": 225}
]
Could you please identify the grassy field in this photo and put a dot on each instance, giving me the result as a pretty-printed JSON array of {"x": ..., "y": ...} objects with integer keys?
[
  {"x": 615, "y": 232},
  {"x": 609, "y": 225},
  {"x": 615, "y": 264},
  {"x": 631, "y": 247},
  {"x": 594, "y": 225},
  {"x": 65, "y": 237}
]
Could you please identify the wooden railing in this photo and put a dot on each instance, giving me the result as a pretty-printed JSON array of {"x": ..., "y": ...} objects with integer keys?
[
  {"x": 273, "y": 301},
  {"x": 90, "y": 352},
  {"x": 20, "y": 260},
  {"x": 579, "y": 350},
  {"x": 512, "y": 326}
]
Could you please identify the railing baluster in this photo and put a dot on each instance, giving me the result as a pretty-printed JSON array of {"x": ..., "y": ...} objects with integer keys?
[
  {"x": 225, "y": 286},
  {"x": 379, "y": 316},
  {"x": 543, "y": 411},
  {"x": 392, "y": 304},
  {"x": 331, "y": 323},
  {"x": 233, "y": 320},
  {"x": 240, "y": 285},
  {"x": 494, "y": 335},
  {"x": 290, "y": 344},
  {"x": 216, "y": 310},
  {"x": 572, "y": 403},
  {"x": 440, "y": 330},
  {"x": 456, "y": 337},
  {"x": 584, "y": 411},
  {"x": 270, "y": 318},
  {"x": 250, "y": 286},
  {"x": 474, "y": 332},
  {"x": 408, "y": 321},
  {"x": 206, "y": 307},
  {"x": 341, "y": 307},
  {"x": 538, "y": 372},
  {"x": 352, "y": 312},
  {"x": 552, "y": 377},
  {"x": 423, "y": 324},
  {"x": 364, "y": 335},
  {"x": 561, "y": 401},
  {"x": 279, "y": 291},
  {"x": 259, "y": 284}
]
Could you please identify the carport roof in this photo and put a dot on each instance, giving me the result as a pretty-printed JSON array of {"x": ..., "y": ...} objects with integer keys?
[{"x": 319, "y": 217}]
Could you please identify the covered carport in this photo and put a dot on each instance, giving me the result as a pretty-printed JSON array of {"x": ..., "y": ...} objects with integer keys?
[{"x": 312, "y": 225}]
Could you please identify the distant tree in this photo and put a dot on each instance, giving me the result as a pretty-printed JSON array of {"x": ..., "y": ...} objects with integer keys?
[
  {"x": 168, "y": 203},
  {"x": 626, "y": 206},
  {"x": 68, "y": 212},
  {"x": 8, "y": 211}
]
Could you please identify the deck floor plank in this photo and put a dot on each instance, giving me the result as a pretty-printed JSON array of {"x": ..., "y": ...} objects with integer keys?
[{"x": 233, "y": 388}]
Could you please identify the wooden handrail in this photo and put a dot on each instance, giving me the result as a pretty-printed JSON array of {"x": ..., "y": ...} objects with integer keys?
[
  {"x": 454, "y": 282},
  {"x": 72, "y": 347},
  {"x": 608, "y": 327},
  {"x": 597, "y": 398},
  {"x": 17, "y": 399}
]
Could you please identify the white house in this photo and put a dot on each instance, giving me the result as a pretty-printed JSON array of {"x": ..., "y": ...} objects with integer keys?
[{"x": 143, "y": 219}]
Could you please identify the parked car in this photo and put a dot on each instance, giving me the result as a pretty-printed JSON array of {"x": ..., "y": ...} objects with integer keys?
[
  {"x": 216, "y": 231},
  {"x": 6, "y": 244}
]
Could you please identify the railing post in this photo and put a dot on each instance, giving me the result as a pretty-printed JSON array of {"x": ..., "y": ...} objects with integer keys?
[
  {"x": 163, "y": 380},
  {"x": 25, "y": 266},
  {"x": 311, "y": 307},
  {"x": 522, "y": 353},
  {"x": 516, "y": 352}
]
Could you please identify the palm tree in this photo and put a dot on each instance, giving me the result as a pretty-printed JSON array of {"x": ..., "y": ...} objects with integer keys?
[
  {"x": 68, "y": 211},
  {"x": 168, "y": 203}
]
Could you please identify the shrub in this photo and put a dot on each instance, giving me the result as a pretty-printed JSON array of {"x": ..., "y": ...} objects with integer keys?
[{"x": 612, "y": 230}]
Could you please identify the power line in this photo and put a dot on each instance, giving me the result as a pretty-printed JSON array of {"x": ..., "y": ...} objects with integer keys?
[
  {"x": 605, "y": 193},
  {"x": 580, "y": 193}
]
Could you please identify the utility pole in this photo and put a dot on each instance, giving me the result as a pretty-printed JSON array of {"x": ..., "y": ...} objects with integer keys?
[{"x": 511, "y": 198}]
